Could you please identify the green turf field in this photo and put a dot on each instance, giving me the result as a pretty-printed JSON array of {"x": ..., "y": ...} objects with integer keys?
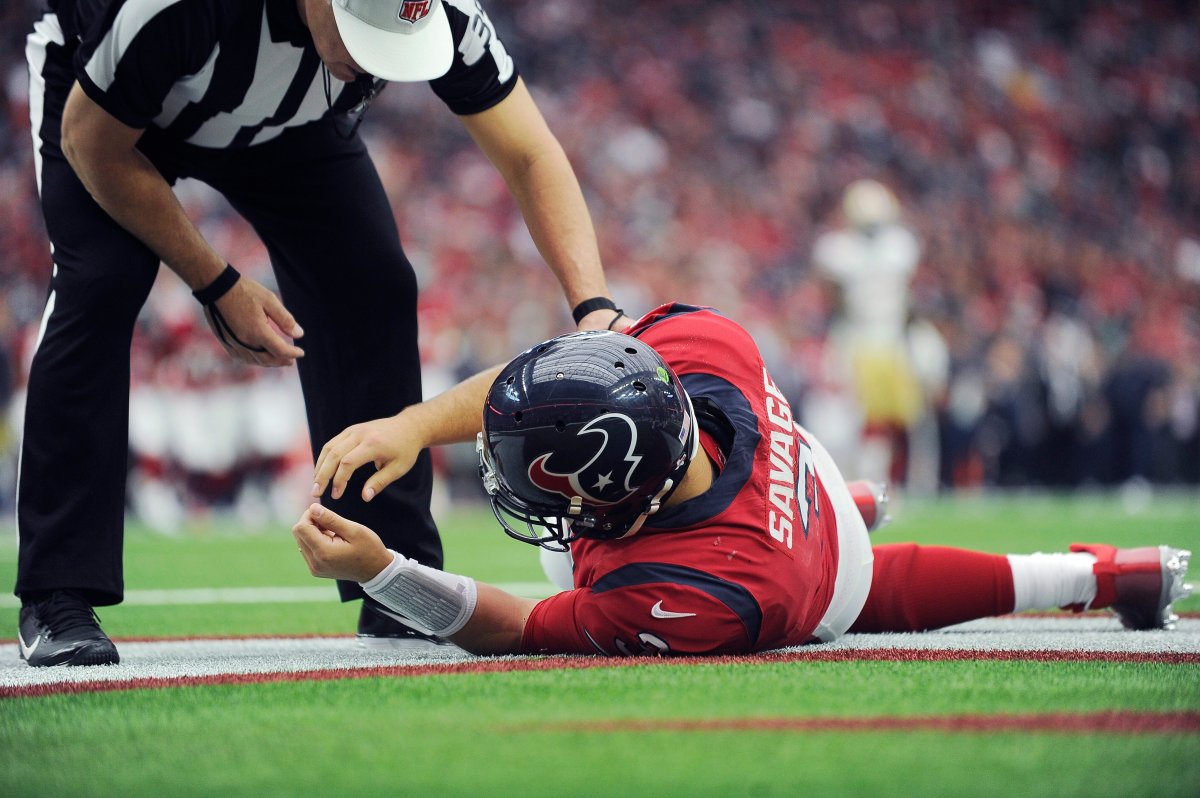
[{"x": 537, "y": 733}]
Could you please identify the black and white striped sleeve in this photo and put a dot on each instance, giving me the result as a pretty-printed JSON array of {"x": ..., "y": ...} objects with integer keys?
[
  {"x": 128, "y": 61},
  {"x": 482, "y": 73}
]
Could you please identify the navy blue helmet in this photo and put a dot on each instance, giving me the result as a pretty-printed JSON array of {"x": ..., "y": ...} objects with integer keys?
[{"x": 584, "y": 435}]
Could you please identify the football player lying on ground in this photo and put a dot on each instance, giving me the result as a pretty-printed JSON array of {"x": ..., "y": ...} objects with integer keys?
[{"x": 700, "y": 518}]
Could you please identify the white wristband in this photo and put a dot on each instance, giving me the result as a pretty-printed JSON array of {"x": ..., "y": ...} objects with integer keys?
[{"x": 441, "y": 602}]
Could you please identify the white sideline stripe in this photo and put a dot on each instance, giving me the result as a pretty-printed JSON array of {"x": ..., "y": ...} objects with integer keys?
[
  {"x": 173, "y": 659},
  {"x": 267, "y": 595}
]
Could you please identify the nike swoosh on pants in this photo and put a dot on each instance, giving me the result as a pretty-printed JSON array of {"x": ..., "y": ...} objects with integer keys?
[{"x": 658, "y": 612}]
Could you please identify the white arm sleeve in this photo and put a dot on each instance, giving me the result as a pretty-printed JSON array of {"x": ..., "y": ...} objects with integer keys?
[{"x": 439, "y": 601}]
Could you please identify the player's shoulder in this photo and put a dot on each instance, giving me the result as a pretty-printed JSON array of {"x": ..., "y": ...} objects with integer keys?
[
  {"x": 482, "y": 73},
  {"x": 700, "y": 340},
  {"x": 162, "y": 25},
  {"x": 132, "y": 52},
  {"x": 140, "y": 12},
  {"x": 903, "y": 240},
  {"x": 832, "y": 248},
  {"x": 700, "y": 323},
  {"x": 472, "y": 29}
]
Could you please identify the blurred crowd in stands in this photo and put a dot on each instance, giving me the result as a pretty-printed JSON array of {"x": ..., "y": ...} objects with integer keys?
[{"x": 1046, "y": 155}]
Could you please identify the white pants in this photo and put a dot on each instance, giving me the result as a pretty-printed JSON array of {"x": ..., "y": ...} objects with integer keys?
[{"x": 855, "y": 557}]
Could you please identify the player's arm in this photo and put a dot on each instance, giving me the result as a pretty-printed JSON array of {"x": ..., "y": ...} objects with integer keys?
[
  {"x": 103, "y": 152},
  {"x": 474, "y": 616},
  {"x": 516, "y": 139},
  {"x": 393, "y": 443}
]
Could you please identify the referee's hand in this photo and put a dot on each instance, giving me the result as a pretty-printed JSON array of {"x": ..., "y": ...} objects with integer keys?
[
  {"x": 254, "y": 326},
  {"x": 389, "y": 443}
]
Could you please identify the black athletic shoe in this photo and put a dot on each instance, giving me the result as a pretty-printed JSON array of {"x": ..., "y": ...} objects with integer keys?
[
  {"x": 62, "y": 629},
  {"x": 379, "y": 627}
]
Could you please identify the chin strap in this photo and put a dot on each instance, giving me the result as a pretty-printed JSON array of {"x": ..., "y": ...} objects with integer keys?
[
  {"x": 693, "y": 429},
  {"x": 655, "y": 504}
]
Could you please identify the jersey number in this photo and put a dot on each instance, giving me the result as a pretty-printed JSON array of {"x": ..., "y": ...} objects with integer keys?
[
  {"x": 806, "y": 486},
  {"x": 481, "y": 37},
  {"x": 646, "y": 643}
]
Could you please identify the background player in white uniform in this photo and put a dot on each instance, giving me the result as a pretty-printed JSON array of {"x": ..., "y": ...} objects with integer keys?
[{"x": 871, "y": 261}]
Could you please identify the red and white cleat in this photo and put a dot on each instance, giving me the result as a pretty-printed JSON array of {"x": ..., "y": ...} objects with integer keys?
[
  {"x": 872, "y": 500},
  {"x": 1139, "y": 585}
]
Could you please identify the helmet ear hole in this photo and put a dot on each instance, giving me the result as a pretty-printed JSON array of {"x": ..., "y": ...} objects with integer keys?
[
  {"x": 630, "y": 350},
  {"x": 618, "y": 365},
  {"x": 510, "y": 380},
  {"x": 639, "y": 386}
]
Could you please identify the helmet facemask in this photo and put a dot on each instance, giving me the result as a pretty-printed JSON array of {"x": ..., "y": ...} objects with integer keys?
[{"x": 520, "y": 522}]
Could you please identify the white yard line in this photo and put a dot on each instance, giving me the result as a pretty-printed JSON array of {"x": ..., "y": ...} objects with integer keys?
[
  {"x": 209, "y": 658},
  {"x": 266, "y": 595}
]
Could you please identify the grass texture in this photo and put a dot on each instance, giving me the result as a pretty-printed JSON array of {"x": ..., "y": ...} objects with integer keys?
[
  {"x": 537, "y": 733},
  {"x": 487, "y": 735}
]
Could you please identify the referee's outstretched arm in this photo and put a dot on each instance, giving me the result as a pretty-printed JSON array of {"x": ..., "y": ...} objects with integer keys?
[
  {"x": 103, "y": 152},
  {"x": 515, "y": 137}
]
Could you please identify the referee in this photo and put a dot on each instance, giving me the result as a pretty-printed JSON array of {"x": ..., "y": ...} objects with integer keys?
[{"x": 258, "y": 99}]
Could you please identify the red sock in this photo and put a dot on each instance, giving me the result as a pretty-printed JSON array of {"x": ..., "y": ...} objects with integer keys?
[{"x": 914, "y": 588}]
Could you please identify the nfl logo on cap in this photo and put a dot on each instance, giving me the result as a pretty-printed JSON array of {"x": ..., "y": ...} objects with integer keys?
[{"x": 414, "y": 10}]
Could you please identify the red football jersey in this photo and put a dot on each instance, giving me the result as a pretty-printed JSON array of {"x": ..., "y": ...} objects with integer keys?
[{"x": 746, "y": 566}]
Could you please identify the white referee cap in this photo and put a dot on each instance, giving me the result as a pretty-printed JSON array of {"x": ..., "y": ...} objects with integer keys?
[{"x": 407, "y": 40}]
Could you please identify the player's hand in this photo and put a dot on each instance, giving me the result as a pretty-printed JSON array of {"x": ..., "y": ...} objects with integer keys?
[
  {"x": 389, "y": 443},
  {"x": 336, "y": 548},
  {"x": 251, "y": 323},
  {"x": 605, "y": 319}
]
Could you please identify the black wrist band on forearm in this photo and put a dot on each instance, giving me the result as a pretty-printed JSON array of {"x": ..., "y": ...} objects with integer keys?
[
  {"x": 218, "y": 287},
  {"x": 589, "y": 305}
]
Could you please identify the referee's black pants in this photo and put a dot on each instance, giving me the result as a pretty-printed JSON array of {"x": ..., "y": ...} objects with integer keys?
[{"x": 316, "y": 201}]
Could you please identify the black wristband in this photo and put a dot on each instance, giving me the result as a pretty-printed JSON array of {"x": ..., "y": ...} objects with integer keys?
[
  {"x": 218, "y": 287},
  {"x": 588, "y": 305}
]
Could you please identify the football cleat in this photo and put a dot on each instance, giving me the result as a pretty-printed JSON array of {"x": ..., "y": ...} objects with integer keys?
[
  {"x": 62, "y": 629},
  {"x": 1139, "y": 585},
  {"x": 872, "y": 501},
  {"x": 380, "y": 628}
]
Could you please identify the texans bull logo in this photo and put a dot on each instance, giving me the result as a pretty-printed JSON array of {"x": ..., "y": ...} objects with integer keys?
[{"x": 595, "y": 482}]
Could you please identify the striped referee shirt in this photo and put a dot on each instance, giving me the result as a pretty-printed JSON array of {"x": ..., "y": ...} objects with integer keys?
[{"x": 234, "y": 73}]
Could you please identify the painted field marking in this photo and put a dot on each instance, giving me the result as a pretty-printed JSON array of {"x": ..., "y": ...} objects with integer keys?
[
  {"x": 1105, "y": 722},
  {"x": 216, "y": 661},
  {"x": 31, "y": 683},
  {"x": 265, "y": 595}
]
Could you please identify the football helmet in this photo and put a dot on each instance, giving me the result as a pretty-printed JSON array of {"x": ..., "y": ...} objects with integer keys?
[
  {"x": 870, "y": 204},
  {"x": 584, "y": 435}
]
